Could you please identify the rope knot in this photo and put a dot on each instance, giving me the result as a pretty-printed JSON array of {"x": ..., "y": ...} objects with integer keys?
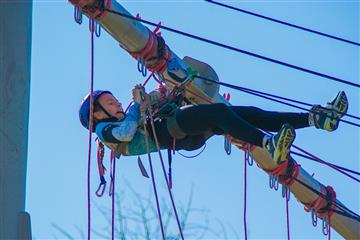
[{"x": 324, "y": 204}]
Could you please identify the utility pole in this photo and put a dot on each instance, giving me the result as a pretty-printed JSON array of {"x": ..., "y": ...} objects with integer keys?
[{"x": 15, "y": 58}]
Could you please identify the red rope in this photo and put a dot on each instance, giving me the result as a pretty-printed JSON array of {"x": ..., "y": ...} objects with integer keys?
[
  {"x": 321, "y": 205},
  {"x": 149, "y": 53}
]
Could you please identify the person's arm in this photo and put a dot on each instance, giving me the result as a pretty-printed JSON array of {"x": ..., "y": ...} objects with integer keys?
[
  {"x": 124, "y": 131},
  {"x": 158, "y": 96}
]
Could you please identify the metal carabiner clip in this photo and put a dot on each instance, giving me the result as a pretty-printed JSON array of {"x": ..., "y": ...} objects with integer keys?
[
  {"x": 97, "y": 29},
  {"x": 77, "y": 15},
  {"x": 141, "y": 66},
  {"x": 325, "y": 226},
  {"x": 102, "y": 186},
  {"x": 314, "y": 217},
  {"x": 249, "y": 156},
  {"x": 273, "y": 182},
  {"x": 227, "y": 145}
]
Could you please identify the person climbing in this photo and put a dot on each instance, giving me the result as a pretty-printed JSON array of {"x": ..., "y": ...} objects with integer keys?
[{"x": 192, "y": 125}]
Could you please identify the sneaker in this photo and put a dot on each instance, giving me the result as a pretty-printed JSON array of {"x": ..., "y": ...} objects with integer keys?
[
  {"x": 279, "y": 145},
  {"x": 328, "y": 117},
  {"x": 339, "y": 104}
]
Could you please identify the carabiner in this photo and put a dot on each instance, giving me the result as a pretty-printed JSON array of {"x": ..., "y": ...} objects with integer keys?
[
  {"x": 283, "y": 190},
  {"x": 77, "y": 15},
  {"x": 141, "y": 66},
  {"x": 102, "y": 186},
  {"x": 314, "y": 217},
  {"x": 325, "y": 226},
  {"x": 273, "y": 182},
  {"x": 97, "y": 29},
  {"x": 227, "y": 145},
  {"x": 249, "y": 156}
]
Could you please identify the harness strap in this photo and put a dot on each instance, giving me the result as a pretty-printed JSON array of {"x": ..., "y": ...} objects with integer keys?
[{"x": 174, "y": 128}]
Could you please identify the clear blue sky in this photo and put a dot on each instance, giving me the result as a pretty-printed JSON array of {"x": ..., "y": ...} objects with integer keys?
[{"x": 57, "y": 159}]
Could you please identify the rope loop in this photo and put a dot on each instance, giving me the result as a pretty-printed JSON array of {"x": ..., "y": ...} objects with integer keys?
[{"x": 77, "y": 15}]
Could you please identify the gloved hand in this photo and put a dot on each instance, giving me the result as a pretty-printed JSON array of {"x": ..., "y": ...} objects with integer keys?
[{"x": 140, "y": 96}]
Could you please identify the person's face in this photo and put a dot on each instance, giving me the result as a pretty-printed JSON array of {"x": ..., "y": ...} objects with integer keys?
[{"x": 111, "y": 105}]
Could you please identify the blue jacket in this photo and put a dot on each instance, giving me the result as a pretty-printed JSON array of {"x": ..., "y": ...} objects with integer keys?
[{"x": 125, "y": 137}]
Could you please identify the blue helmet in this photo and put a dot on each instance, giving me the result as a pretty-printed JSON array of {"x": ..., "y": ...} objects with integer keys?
[{"x": 84, "y": 110}]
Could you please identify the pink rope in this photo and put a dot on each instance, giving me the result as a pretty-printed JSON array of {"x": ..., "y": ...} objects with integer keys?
[
  {"x": 166, "y": 179},
  {"x": 245, "y": 227},
  {"x": 112, "y": 157},
  {"x": 287, "y": 197},
  {"x": 90, "y": 121}
]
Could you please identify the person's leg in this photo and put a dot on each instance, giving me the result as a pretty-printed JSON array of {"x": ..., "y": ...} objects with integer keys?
[
  {"x": 165, "y": 139},
  {"x": 326, "y": 117},
  {"x": 270, "y": 120},
  {"x": 219, "y": 119}
]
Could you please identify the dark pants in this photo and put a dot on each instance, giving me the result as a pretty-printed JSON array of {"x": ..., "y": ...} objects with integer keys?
[{"x": 240, "y": 122}]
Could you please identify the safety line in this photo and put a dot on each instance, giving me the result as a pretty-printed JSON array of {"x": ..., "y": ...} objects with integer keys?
[
  {"x": 283, "y": 22},
  {"x": 270, "y": 95},
  {"x": 287, "y": 198},
  {"x": 245, "y": 193},
  {"x": 292, "y": 105},
  {"x": 324, "y": 162},
  {"x": 334, "y": 165},
  {"x": 90, "y": 122},
  {"x": 166, "y": 179},
  {"x": 253, "y": 92},
  {"x": 113, "y": 196},
  {"x": 238, "y": 50}
]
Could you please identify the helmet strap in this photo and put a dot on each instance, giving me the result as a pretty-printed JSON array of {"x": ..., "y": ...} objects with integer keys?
[{"x": 109, "y": 116}]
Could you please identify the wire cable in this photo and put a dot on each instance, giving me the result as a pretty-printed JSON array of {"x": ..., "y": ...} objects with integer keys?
[
  {"x": 334, "y": 165},
  {"x": 263, "y": 95},
  {"x": 238, "y": 50},
  {"x": 284, "y": 23}
]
